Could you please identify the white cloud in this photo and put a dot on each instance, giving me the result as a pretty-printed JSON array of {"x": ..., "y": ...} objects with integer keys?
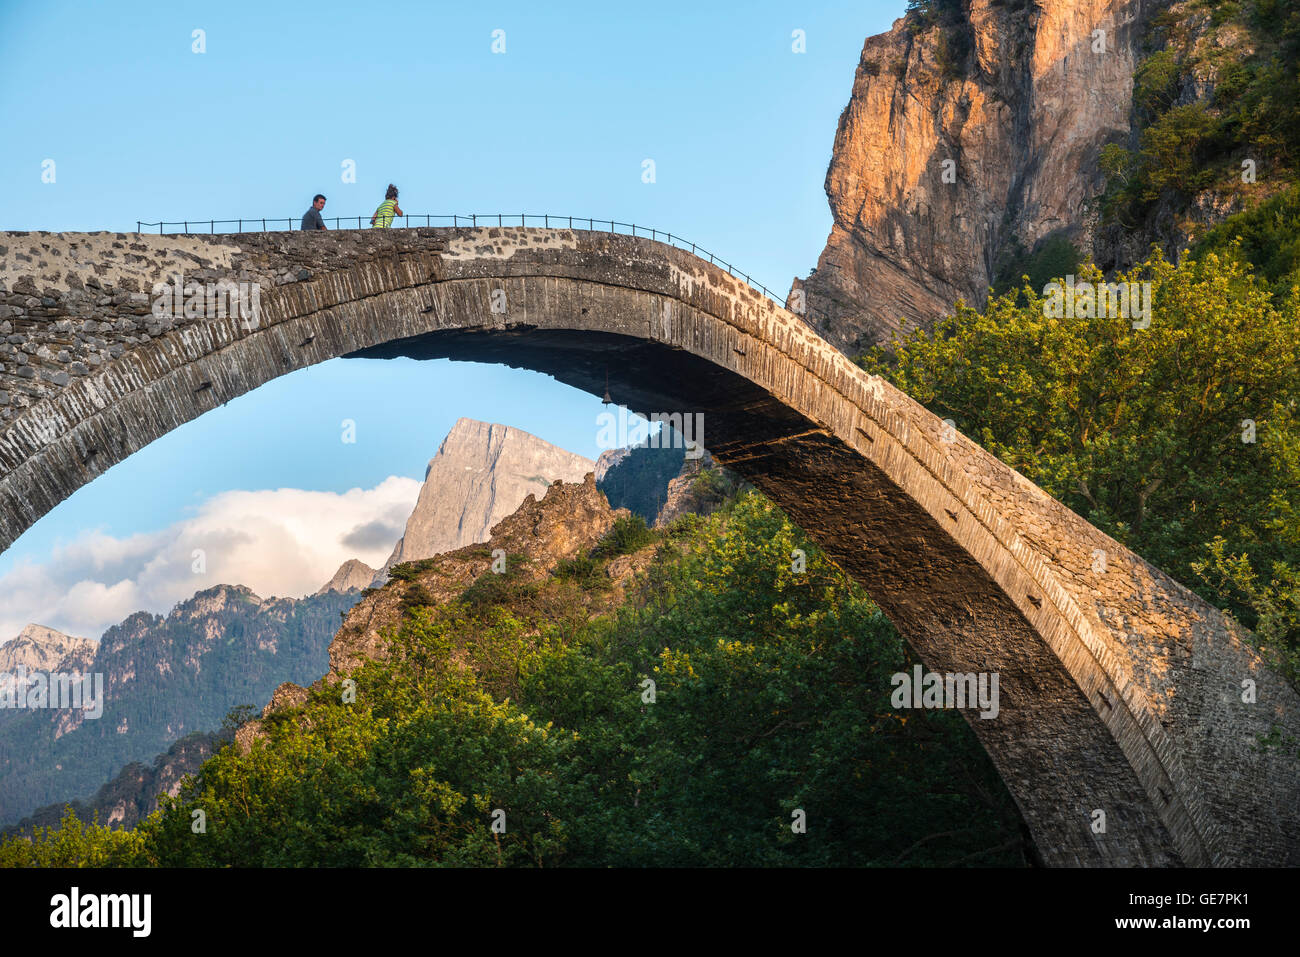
[{"x": 280, "y": 542}]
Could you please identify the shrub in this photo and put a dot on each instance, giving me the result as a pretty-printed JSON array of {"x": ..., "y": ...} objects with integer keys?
[
  {"x": 406, "y": 571},
  {"x": 583, "y": 570},
  {"x": 627, "y": 535}
]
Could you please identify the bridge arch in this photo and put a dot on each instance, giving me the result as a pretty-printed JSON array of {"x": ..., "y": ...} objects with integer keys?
[{"x": 1120, "y": 690}]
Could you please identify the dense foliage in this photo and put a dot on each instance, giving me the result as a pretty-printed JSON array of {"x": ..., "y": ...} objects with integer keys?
[
  {"x": 1180, "y": 440},
  {"x": 1247, "y": 55},
  {"x": 770, "y": 696}
]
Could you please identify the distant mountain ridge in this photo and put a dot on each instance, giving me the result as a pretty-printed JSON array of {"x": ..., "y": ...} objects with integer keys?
[
  {"x": 134, "y": 791},
  {"x": 164, "y": 677}
]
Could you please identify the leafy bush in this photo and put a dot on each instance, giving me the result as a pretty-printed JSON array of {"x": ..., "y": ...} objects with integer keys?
[
  {"x": 1140, "y": 430},
  {"x": 499, "y": 588},
  {"x": 628, "y": 534},
  {"x": 1267, "y": 236},
  {"x": 407, "y": 571},
  {"x": 416, "y": 595},
  {"x": 1055, "y": 256},
  {"x": 583, "y": 570}
]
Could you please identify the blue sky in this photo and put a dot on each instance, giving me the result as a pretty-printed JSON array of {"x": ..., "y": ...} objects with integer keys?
[{"x": 140, "y": 127}]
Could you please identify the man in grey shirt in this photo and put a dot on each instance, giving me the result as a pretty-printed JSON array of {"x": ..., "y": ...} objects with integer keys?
[{"x": 311, "y": 219}]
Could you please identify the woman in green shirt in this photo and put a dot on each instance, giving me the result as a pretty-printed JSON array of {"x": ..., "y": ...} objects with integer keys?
[{"x": 383, "y": 217}]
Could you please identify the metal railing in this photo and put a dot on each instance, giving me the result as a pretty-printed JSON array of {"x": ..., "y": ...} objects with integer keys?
[{"x": 290, "y": 224}]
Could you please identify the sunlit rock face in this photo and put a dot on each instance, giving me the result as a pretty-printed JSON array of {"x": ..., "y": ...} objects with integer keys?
[{"x": 962, "y": 139}]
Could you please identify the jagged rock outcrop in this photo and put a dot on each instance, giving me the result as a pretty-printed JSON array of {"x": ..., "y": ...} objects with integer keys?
[
  {"x": 569, "y": 520},
  {"x": 699, "y": 488},
  {"x": 353, "y": 575},
  {"x": 38, "y": 648},
  {"x": 971, "y": 128},
  {"x": 481, "y": 473}
]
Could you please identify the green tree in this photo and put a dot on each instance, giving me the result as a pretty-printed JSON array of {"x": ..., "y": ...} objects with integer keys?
[{"x": 1168, "y": 437}]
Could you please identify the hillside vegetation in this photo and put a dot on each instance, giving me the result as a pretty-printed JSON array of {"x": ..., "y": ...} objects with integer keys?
[
  {"x": 770, "y": 697},
  {"x": 1181, "y": 439}
]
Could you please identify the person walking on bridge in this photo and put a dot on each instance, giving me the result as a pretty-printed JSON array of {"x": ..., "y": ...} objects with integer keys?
[
  {"x": 311, "y": 219},
  {"x": 383, "y": 217}
]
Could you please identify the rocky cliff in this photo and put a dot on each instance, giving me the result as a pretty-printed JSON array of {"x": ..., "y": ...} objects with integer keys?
[
  {"x": 973, "y": 131},
  {"x": 701, "y": 487},
  {"x": 481, "y": 473},
  {"x": 637, "y": 478}
]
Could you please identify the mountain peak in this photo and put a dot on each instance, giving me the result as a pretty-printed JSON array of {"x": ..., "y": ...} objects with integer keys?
[
  {"x": 352, "y": 575},
  {"x": 41, "y": 648},
  {"x": 480, "y": 474}
]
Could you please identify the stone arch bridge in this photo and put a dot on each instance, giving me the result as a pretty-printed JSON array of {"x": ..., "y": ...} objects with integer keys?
[{"x": 1120, "y": 691}]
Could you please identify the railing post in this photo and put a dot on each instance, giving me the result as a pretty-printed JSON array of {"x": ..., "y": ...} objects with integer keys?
[
  {"x": 187, "y": 226},
  {"x": 264, "y": 225},
  {"x": 137, "y": 227}
]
